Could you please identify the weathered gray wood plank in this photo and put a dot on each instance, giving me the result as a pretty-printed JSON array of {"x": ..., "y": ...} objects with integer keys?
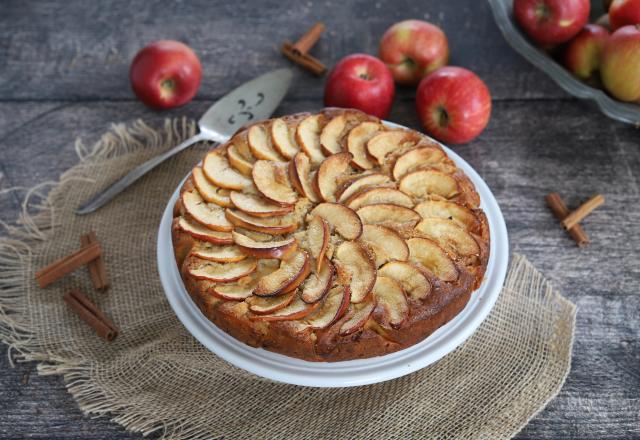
[
  {"x": 63, "y": 73},
  {"x": 529, "y": 149},
  {"x": 77, "y": 50}
]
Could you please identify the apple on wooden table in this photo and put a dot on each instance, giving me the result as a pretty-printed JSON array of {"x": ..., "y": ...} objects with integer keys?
[
  {"x": 620, "y": 65},
  {"x": 551, "y": 22},
  {"x": 362, "y": 82},
  {"x": 582, "y": 54},
  {"x": 165, "y": 74},
  {"x": 412, "y": 49},
  {"x": 454, "y": 104}
]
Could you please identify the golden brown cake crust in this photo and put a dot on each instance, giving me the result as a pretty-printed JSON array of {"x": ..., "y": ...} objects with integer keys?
[{"x": 393, "y": 324}]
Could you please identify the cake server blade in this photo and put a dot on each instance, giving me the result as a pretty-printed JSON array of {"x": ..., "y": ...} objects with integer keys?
[{"x": 252, "y": 101}]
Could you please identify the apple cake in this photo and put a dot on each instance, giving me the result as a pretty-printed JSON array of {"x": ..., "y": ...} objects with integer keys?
[{"x": 329, "y": 236}]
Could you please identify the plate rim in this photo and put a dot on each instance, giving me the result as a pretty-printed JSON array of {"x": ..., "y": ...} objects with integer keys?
[{"x": 358, "y": 372}]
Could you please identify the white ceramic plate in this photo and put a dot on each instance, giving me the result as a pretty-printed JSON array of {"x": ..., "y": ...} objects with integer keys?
[{"x": 347, "y": 373}]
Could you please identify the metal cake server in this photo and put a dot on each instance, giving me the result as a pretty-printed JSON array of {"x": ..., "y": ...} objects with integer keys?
[{"x": 252, "y": 101}]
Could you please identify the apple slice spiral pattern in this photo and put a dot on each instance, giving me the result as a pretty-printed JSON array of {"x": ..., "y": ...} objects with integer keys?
[{"x": 329, "y": 236}]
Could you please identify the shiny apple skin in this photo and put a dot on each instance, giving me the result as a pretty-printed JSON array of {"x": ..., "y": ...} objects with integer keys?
[
  {"x": 620, "y": 64},
  {"x": 583, "y": 53},
  {"x": 551, "y": 21},
  {"x": 623, "y": 13},
  {"x": 362, "y": 82},
  {"x": 412, "y": 49},
  {"x": 165, "y": 74},
  {"x": 454, "y": 104}
]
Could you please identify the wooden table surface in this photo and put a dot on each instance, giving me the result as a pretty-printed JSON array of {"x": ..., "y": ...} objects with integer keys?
[{"x": 64, "y": 74}]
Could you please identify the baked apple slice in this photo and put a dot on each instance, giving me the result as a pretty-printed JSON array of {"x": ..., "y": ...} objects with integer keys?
[
  {"x": 237, "y": 161},
  {"x": 393, "y": 216},
  {"x": 279, "y": 249},
  {"x": 218, "y": 253},
  {"x": 288, "y": 277},
  {"x": 334, "y": 306},
  {"x": 265, "y": 305},
  {"x": 208, "y": 214},
  {"x": 301, "y": 178},
  {"x": 298, "y": 309},
  {"x": 359, "y": 314},
  {"x": 351, "y": 187},
  {"x": 334, "y": 133},
  {"x": 260, "y": 143},
  {"x": 221, "y": 272},
  {"x": 391, "y": 301},
  {"x": 357, "y": 141},
  {"x": 274, "y": 226},
  {"x": 451, "y": 210},
  {"x": 202, "y": 233},
  {"x": 431, "y": 256},
  {"x": 217, "y": 169},
  {"x": 356, "y": 269},
  {"x": 283, "y": 136},
  {"x": 237, "y": 291},
  {"x": 342, "y": 219},
  {"x": 308, "y": 137},
  {"x": 422, "y": 183},
  {"x": 449, "y": 235},
  {"x": 382, "y": 144},
  {"x": 328, "y": 176},
  {"x": 372, "y": 196},
  {"x": 318, "y": 283},
  {"x": 243, "y": 288},
  {"x": 385, "y": 244},
  {"x": 413, "y": 281},
  {"x": 257, "y": 206},
  {"x": 271, "y": 179},
  {"x": 209, "y": 191},
  {"x": 415, "y": 158},
  {"x": 318, "y": 239}
]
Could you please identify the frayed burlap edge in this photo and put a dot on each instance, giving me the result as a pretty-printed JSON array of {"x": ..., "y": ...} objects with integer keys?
[
  {"x": 35, "y": 223},
  {"x": 521, "y": 273}
]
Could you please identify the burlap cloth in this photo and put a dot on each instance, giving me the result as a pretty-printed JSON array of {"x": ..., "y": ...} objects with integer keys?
[{"x": 155, "y": 377}]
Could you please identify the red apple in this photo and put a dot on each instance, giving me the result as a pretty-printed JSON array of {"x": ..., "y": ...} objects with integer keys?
[
  {"x": 623, "y": 13},
  {"x": 620, "y": 64},
  {"x": 582, "y": 55},
  {"x": 551, "y": 21},
  {"x": 362, "y": 82},
  {"x": 412, "y": 49},
  {"x": 454, "y": 104},
  {"x": 165, "y": 74}
]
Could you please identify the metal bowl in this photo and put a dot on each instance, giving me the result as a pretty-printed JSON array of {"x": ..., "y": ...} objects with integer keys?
[{"x": 502, "y": 13}]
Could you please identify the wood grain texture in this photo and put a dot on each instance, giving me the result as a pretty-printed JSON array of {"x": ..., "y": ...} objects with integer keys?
[{"x": 64, "y": 75}]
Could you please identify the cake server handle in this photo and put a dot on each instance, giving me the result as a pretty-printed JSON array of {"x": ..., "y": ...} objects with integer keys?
[{"x": 116, "y": 188}]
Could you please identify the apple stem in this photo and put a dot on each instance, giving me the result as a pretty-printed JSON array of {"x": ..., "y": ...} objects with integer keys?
[
  {"x": 364, "y": 76},
  {"x": 443, "y": 119},
  {"x": 542, "y": 11},
  {"x": 168, "y": 84}
]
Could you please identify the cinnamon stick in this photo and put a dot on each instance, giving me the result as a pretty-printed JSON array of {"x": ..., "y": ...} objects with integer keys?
[
  {"x": 97, "y": 267},
  {"x": 297, "y": 52},
  {"x": 584, "y": 210},
  {"x": 91, "y": 314},
  {"x": 308, "y": 62},
  {"x": 68, "y": 264},
  {"x": 308, "y": 40},
  {"x": 560, "y": 210}
]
